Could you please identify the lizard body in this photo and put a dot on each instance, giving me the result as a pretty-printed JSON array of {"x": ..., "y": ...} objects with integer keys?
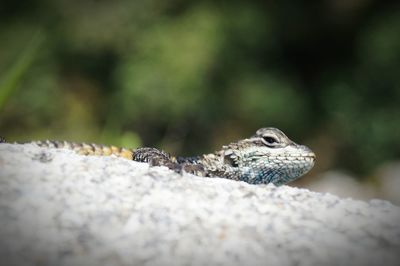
[{"x": 269, "y": 156}]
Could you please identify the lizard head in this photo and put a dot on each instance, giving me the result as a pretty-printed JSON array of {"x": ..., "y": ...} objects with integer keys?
[{"x": 269, "y": 156}]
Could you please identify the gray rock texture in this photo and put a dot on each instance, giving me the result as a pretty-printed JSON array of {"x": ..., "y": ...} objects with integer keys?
[{"x": 58, "y": 208}]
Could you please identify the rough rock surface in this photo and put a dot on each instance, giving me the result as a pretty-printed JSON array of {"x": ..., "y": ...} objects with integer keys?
[{"x": 58, "y": 208}]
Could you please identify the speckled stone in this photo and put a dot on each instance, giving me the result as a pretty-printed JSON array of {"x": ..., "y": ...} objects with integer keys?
[{"x": 58, "y": 208}]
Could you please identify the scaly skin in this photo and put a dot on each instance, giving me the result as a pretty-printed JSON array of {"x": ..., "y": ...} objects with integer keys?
[{"x": 269, "y": 156}]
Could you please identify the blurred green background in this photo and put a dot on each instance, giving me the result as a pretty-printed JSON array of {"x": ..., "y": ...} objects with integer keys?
[{"x": 189, "y": 76}]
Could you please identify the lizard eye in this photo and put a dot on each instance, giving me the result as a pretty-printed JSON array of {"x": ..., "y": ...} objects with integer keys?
[{"x": 269, "y": 140}]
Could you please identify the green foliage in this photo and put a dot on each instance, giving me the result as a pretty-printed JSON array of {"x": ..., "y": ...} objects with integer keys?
[
  {"x": 364, "y": 103},
  {"x": 190, "y": 75},
  {"x": 10, "y": 79},
  {"x": 167, "y": 71},
  {"x": 269, "y": 95}
]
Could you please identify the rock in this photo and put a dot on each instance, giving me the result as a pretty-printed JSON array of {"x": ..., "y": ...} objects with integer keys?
[
  {"x": 59, "y": 208},
  {"x": 343, "y": 185}
]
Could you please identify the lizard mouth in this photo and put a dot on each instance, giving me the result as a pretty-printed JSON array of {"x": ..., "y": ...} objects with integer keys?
[
  {"x": 302, "y": 156},
  {"x": 311, "y": 155}
]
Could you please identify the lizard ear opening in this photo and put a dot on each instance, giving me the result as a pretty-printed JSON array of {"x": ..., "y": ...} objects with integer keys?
[{"x": 230, "y": 161}]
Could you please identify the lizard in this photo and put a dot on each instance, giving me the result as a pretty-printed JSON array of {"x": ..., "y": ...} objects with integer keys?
[{"x": 268, "y": 156}]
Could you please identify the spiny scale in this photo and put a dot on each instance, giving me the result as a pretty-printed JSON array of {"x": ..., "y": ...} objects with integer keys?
[{"x": 87, "y": 149}]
